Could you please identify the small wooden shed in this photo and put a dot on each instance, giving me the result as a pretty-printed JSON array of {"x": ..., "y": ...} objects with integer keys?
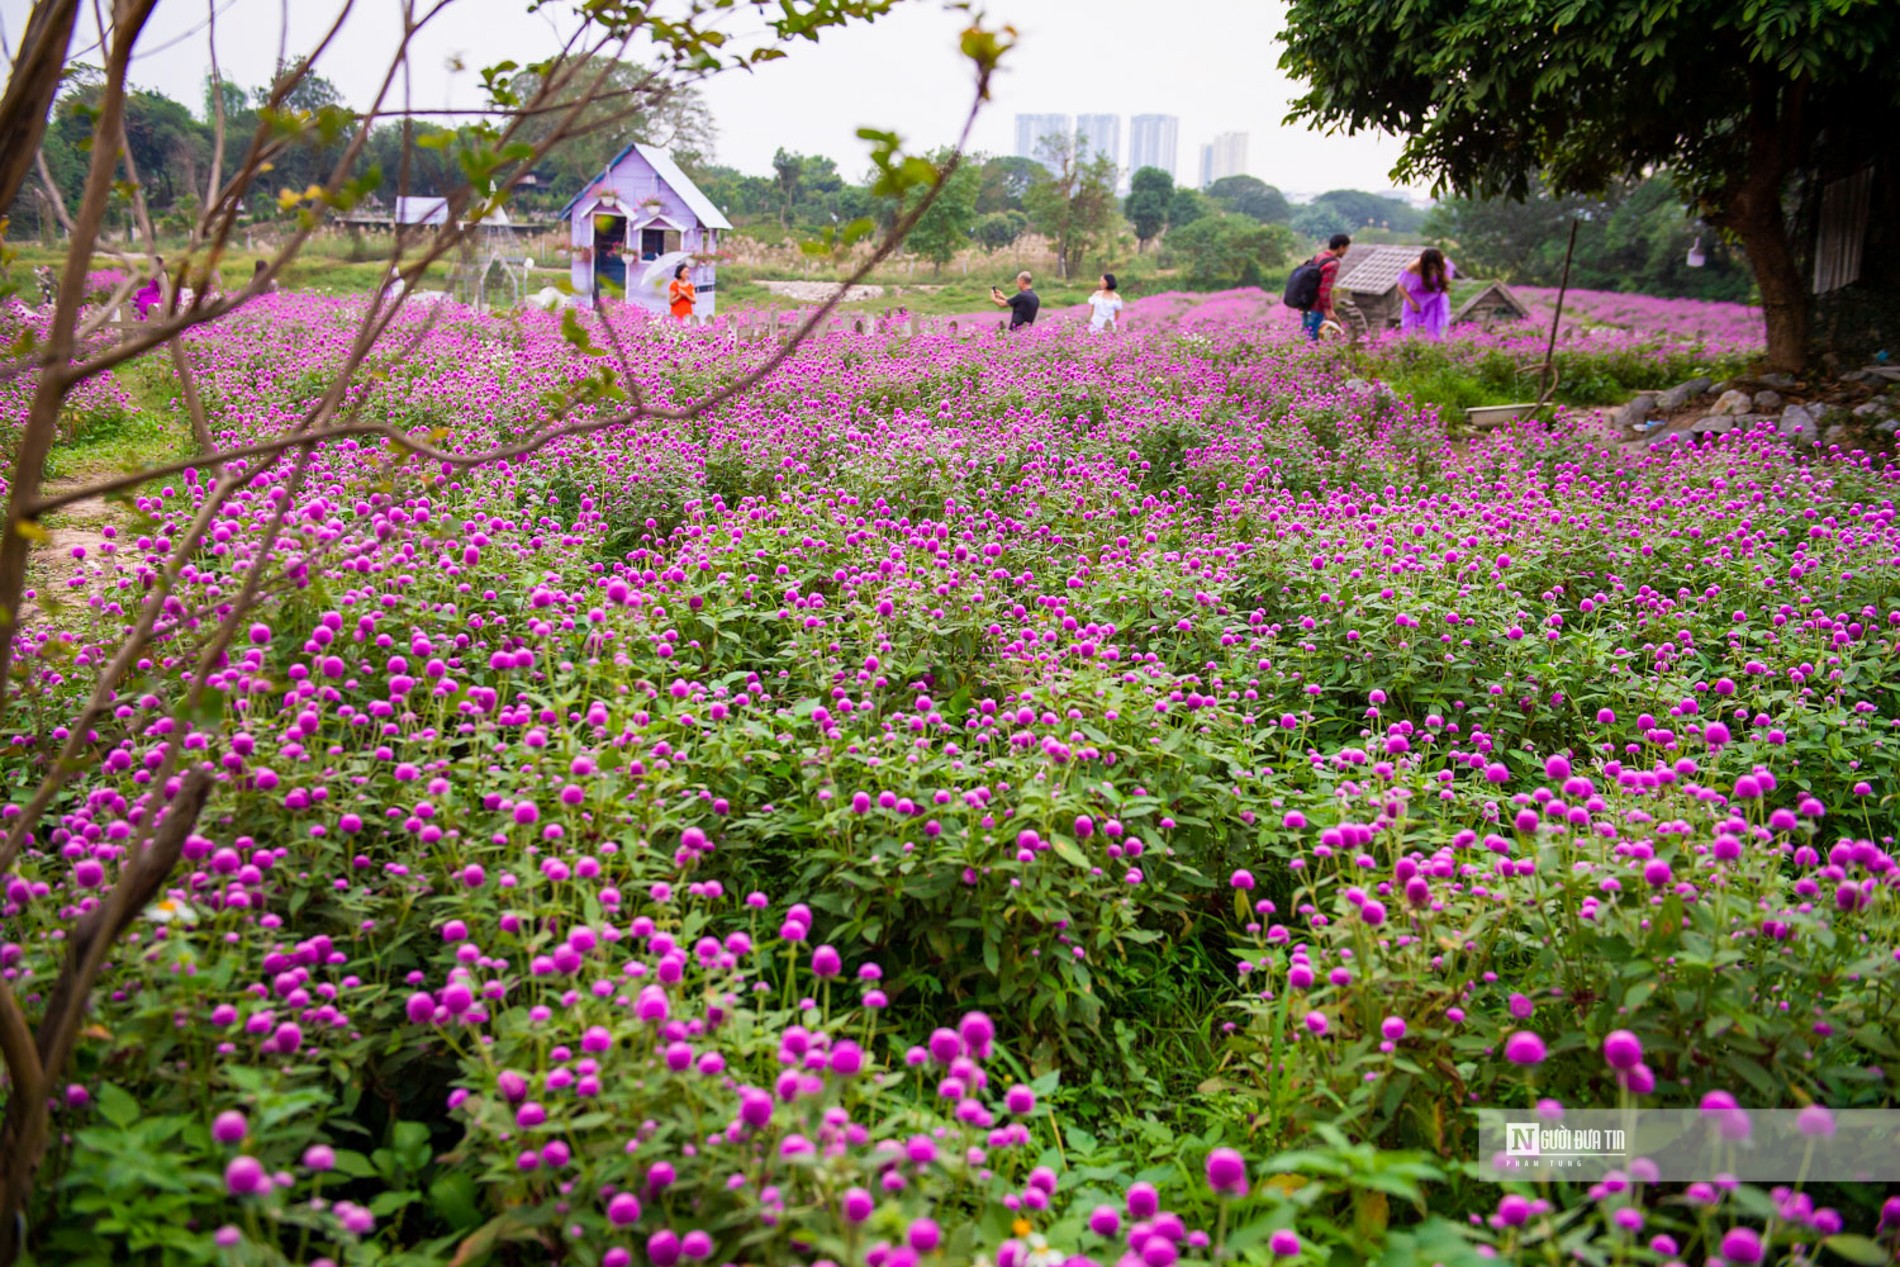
[
  {"x": 1369, "y": 283},
  {"x": 640, "y": 209},
  {"x": 1492, "y": 304}
]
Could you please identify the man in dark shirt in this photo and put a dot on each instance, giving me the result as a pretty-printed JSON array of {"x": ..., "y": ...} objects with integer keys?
[
  {"x": 1023, "y": 305},
  {"x": 1322, "y": 309}
]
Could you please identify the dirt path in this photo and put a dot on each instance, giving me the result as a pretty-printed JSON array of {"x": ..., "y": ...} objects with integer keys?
[{"x": 75, "y": 540}]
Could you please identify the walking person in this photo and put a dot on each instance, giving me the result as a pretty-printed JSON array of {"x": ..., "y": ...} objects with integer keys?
[
  {"x": 1023, "y": 305},
  {"x": 1310, "y": 288},
  {"x": 680, "y": 296},
  {"x": 151, "y": 294},
  {"x": 1425, "y": 285},
  {"x": 1105, "y": 305}
]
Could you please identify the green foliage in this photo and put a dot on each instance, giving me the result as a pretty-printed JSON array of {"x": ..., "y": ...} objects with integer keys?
[
  {"x": 999, "y": 229},
  {"x": 1072, "y": 202},
  {"x": 1187, "y": 206},
  {"x": 1462, "y": 372},
  {"x": 946, "y": 226},
  {"x": 1252, "y": 197},
  {"x": 622, "y": 105},
  {"x": 1635, "y": 238},
  {"x": 1006, "y": 179},
  {"x": 1150, "y": 193},
  {"x": 1220, "y": 251}
]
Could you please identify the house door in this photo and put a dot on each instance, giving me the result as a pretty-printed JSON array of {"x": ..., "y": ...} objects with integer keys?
[{"x": 610, "y": 263}]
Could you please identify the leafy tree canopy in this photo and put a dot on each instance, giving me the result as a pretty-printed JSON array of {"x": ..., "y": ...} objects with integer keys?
[
  {"x": 1150, "y": 191},
  {"x": 1006, "y": 179},
  {"x": 1187, "y": 206},
  {"x": 1073, "y": 202},
  {"x": 1252, "y": 197},
  {"x": 1634, "y": 238},
  {"x": 1732, "y": 99},
  {"x": 1219, "y": 250}
]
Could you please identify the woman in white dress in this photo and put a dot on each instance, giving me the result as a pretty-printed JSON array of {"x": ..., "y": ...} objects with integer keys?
[{"x": 1105, "y": 305}]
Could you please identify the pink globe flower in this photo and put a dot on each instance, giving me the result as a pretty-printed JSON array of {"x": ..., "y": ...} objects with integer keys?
[
  {"x": 1622, "y": 1049},
  {"x": 1524, "y": 1048}
]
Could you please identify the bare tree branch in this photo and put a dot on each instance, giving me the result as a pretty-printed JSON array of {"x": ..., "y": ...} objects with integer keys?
[
  {"x": 31, "y": 87},
  {"x": 42, "y": 421}
]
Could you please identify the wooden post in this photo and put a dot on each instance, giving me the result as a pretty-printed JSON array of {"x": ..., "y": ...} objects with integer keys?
[{"x": 1547, "y": 380}]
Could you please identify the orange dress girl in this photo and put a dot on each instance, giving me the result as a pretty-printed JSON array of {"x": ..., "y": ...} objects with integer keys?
[{"x": 679, "y": 298}]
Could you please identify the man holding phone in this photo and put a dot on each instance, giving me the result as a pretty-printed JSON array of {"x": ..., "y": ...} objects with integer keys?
[{"x": 1023, "y": 305}]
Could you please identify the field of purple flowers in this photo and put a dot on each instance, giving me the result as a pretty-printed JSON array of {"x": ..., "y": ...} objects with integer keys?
[
  {"x": 1722, "y": 329},
  {"x": 1054, "y": 800},
  {"x": 1737, "y": 326}
]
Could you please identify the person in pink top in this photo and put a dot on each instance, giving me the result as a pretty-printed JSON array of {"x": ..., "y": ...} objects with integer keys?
[{"x": 1425, "y": 285}]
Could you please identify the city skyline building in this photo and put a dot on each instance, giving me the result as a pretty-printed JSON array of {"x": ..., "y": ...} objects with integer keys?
[
  {"x": 1153, "y": 141},
  {"x": 1033, "y": 129},
  {"x": 1099, "y": 134},
  {"x": 1225, "y": 155}
]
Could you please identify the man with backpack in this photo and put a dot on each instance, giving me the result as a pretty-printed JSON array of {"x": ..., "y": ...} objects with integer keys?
[{"x": 1310, "y": 288}]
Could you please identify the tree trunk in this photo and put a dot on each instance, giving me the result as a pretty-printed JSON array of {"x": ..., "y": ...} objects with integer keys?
[
  {"x": 1785, "y": 301},
  {"x": 1752, "y": 211},
  {"x": 30, "y": 90}
]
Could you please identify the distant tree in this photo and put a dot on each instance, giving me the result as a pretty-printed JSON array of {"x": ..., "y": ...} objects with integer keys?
[
  {"x": 236, "y": 100},
  {"x": 1187, "y": 206},
  {"x": 742, "y": 197},
  {"x": 1150, "y": 191},
  {"x": 1320, "y": 220},
  {"x": 1633, "y": 238},
  {"x": 999, "y": 229},
  {"x": 1073, "y": 203},
  {"x": 1005, "y": 180},
  {"x": 167, "y": 144},
  {"x": 944, "y": 229},
  {"x": 1360, "y": 210},
  {"x": 1250, "y": 196},
  {"x": 677, "y": 121},
  {"x": 789, "y": 169},
  {"x": 1222, "y": 250},
  {"x": 312, "y": 97},
  {"x": 1747, "y": 106}
]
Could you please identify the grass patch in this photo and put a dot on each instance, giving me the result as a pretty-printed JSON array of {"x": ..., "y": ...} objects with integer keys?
[{"x": 110, "y": 441}]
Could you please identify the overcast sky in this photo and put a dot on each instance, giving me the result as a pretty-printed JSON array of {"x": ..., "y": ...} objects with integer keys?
[{"x": 1210, "y": 62}]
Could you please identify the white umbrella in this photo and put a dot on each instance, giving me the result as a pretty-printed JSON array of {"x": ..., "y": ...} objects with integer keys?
[{"x": 660, "y": 271}]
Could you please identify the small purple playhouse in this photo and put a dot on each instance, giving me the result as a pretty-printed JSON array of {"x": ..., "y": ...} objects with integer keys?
[{"x": 633, "y": 224}]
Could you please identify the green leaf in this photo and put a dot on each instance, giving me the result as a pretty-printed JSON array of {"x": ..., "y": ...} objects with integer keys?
[
  {"x": 1857, "y": 1249},
  {"x": 354, "y": 1164},
  {"x": 454, "y": 1197},
  {"x": 1067, "y": 851},
  {"x": 117, "y": 1106}
]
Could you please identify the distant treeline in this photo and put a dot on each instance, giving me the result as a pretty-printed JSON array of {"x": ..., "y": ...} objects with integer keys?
[
  {"x": 1636, "y": 239},
  {"x": 1236, "y": 232}
]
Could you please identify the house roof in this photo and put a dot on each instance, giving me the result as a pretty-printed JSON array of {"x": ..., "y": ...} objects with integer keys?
[
  {"x": 413, "y": 210},
  {"x": 669, "y": 172},
  {"x": 1495, "y": 295},
  {"x": 1377, "y": 271}
]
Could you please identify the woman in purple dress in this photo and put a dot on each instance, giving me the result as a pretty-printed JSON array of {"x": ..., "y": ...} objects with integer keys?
[{"x": 1425, "y": 286}]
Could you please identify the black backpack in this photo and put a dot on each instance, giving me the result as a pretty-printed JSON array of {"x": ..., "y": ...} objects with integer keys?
[{"x": 1302, "y": 288}]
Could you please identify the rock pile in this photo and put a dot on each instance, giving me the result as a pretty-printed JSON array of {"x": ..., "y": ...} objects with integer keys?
[{"x": 1829, "y": 411}]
